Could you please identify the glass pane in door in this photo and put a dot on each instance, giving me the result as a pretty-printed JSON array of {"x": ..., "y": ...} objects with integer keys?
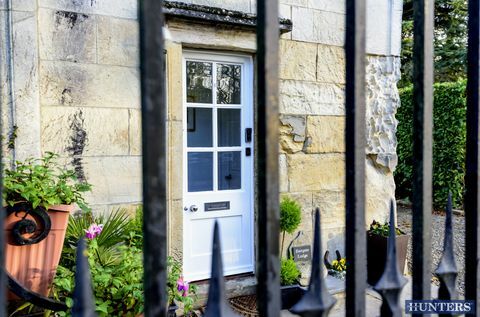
[
  {"x": 200, "y": 171},
  {"x": 229, "y": 126},
  {"x": 199, "y": 127},
  {"x": 228, "y": 82},
  {"x": 229, "y": 170},
  {"x": 199, "y": 82}
]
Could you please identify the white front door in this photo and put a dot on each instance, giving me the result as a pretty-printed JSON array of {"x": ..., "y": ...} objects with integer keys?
[{"x": 218, "y": 162}]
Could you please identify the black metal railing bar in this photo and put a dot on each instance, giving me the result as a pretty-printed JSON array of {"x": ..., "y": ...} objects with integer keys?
[
  {"x": 472, "y": 165},
  {"x": 268, "y": 261},
  {"x": 154, "y": 151},
  {"x": 355, "y": 240},
  {"x": 422, "y": 148}
]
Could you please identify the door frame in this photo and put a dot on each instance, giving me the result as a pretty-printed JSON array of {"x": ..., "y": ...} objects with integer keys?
[{"x": 248, "y": 106}]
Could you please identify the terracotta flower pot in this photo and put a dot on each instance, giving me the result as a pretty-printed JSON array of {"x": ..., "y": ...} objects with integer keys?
[{"x": 34, "y": 265}]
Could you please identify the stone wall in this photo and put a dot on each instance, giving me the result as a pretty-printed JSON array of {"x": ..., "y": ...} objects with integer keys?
[{"x": 76, "y": 92}]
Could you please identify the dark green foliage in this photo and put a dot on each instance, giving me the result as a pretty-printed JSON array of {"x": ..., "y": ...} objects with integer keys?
[
  {"x": 115, "y": 231},
  {"x": 378, "y": 229},
  {"x": 449, "y": 143},
  {"x": 289, "y": 272},
  {"x": 43, "y": 182},
  {"x": 290, "y": 215},
  {"x": 450, "y": 46},
  {"x": 116, "y": 263}
]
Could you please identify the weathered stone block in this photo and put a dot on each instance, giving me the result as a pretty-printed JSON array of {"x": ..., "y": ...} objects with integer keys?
[
  {"x": 115, "y": 180},
  {"x": 212, "y": 37},
  {"x": 380, "y": 190},
  {"x": 314, "y": 172},
  {"x": 283, "y": 173},
  {"x": 297, "y": 97},
  {"x": 298, "y": 60},
  {"x": 383, "y": 100},
  {"x": 27, "y": 112},
  {"x": 175, "y": 78},
  {"x": 117, "y": 41},
  {"x": 135, "y": 131},
  {"x": 332, "y": 207},
  {"x": 329, "y": 28},
  {"x": 325, "y": 134},
  {"x": 85, "y": 131},
  {"x": 70, "y": 84},
  {"x": 19, "y": 5},
  {"x": 331, "y": 64},
  {"x": 292, "y": 133},
  {"x": 337, "y": 6},
  {"x": 175, "y": 229},
  {"x": 121, "y": 9},
  {"x": 68, "y": 36},
  {"x": 299, "y": 3},
  {"x": 303, "y": 21},
  {"x": 175, "y": 149}
]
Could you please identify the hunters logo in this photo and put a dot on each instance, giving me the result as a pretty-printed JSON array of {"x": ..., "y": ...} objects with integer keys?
[{"x": 440, "y": 307}]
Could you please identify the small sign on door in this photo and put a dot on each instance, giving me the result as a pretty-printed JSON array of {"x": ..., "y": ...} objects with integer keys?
[{"x": 302, "y": 253}]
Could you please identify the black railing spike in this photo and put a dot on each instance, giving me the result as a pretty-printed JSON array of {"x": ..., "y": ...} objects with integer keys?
[
  {"x": 217, "y": 305},
  {"x": 83, "y": 302},
  {"x": 316, "y": 301},
  {"x": 447, "y": 268},
  {"x": 392, "y": 281}
]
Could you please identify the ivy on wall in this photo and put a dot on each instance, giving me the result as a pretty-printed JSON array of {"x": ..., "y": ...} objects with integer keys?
[{"x": 449, "y": 136}]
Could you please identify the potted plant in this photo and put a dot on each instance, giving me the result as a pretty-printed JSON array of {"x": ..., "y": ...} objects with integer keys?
[
  {"x": 377, "y": 237},
  {"x": 39, "y": 195},
  {"x": 290, "y": 218}
]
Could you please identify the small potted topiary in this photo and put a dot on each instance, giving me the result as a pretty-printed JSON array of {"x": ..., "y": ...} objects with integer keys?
[
  {"x": 39, "y": 195},
  {"x": 377, "y": 237},
  {"x": 290, "y": 218}
]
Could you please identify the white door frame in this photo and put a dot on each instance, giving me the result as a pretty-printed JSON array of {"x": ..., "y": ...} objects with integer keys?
[{"x": 247, "y": 98}]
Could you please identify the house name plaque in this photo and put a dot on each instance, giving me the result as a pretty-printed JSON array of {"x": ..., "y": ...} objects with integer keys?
[{"x": 302, "y": 253}]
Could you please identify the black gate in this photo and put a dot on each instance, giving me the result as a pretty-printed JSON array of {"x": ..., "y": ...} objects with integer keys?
[{"x": 317, "y": 301}]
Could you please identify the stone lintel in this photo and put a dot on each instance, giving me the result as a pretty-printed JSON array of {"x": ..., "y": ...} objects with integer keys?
[{"x": 219, "y": 16}]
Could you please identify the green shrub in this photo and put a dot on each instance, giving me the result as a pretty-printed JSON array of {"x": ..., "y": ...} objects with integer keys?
[
  {"x": 449, "y": 135},
  {"x": 289, "y": 272},
  {"x": 290, "y": 217},
  {"x": 116, "y": 263},
  {"x": 43, "y": 182}
]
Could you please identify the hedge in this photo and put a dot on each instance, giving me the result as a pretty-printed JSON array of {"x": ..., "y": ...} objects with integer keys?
[{"x": 449, "y": 134}]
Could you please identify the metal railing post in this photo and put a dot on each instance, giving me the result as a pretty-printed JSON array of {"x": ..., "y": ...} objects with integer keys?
[
  {"x": 422, "y": 147},
  {"x": 268, "y": 261},
  {"x": 472, "y": 194},
  {"x": 154, "y": 114},
  {"x": 355, "y": 239}
]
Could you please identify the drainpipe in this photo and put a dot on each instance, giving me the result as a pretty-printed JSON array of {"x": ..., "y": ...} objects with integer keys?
[{"x": 11, "y": 73}]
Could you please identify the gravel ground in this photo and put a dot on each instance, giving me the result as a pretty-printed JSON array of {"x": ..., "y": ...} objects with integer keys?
[{"x": 438, "y": 228}]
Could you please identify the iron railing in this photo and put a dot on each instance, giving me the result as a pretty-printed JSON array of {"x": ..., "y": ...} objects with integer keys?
[{"x": 316, "y": 301}]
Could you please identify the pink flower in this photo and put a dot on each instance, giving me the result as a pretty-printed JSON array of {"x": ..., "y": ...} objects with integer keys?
[
  {"x": 93, "y": 231},
  {"x": 182, "y": 286}
]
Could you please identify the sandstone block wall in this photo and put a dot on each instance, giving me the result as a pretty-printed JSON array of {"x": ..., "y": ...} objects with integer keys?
[{"x": 75, "y": 91}]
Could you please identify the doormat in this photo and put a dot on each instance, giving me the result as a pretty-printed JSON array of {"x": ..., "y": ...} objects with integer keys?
[{"x": 245, "y": 305}]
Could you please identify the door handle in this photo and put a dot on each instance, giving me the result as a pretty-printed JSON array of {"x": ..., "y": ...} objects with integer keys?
[{"x": 193, "y": 208}]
